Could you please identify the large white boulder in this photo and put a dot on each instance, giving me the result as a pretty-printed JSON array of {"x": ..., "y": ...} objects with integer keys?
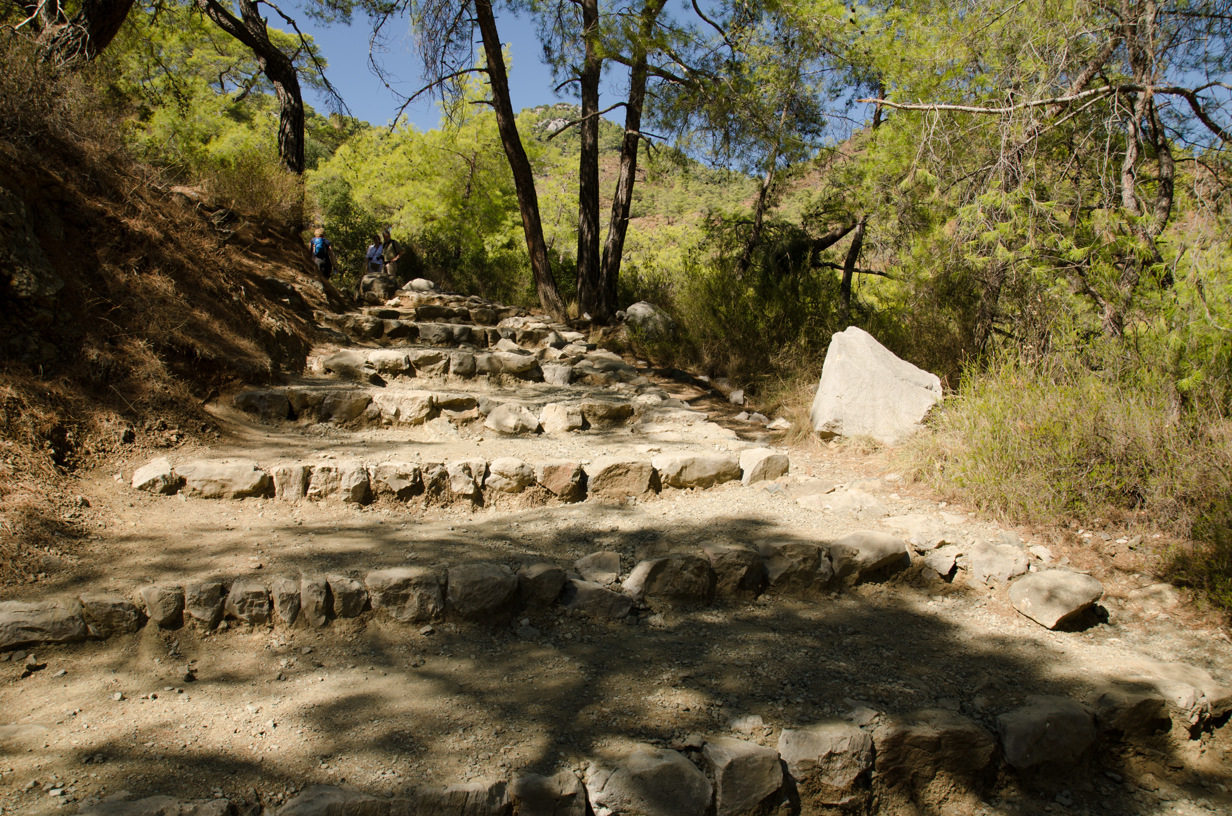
[{"x": 866, "y": 390}]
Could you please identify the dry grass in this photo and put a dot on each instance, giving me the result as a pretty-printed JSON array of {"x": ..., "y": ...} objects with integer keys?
[{"x": 164, "y": 299}]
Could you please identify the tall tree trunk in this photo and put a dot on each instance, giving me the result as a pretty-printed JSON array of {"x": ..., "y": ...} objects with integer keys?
[
  {"x": 519, "y": 164},
  {"x": 849, "y": 270},
  {"x": 76, "y": 41},
  {"x": 277, "y": 67},
  {"x": 618, "y": 224},
  {"x": 588, "y": 274}
]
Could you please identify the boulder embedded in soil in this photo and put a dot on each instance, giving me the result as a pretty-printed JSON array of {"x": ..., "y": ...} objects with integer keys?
[
  {"x": 989, "y": 561},
  {"x": 285, "y": 595},
  {"x": 314, "y": 599},
  {"x": 157, "y": 477},
  {"x": 350, "y": 597},
  {"x": 407, "y": 594},
  {"x": 512, "y": 419},
  {"x": 558, "y": 418},
  {"x": 737, "y": 569},
  {"x": 830, "y": 762},
  {"x": 509, "y": 475},
  {"x": 762, "y": 464},
  {"x": 684, "y": 470},
  {"x": 911, "y": 750},
  {"x": 595, "y": 600},
  {"x": 164, "y": 605},
  {"x": 560, "y": 795},
  {"x": 676, "y": 578},
  {"x": 1053, "y": 598},
  {"x": 540, "y": 584},
  {"x": 347, "y": 480},
  {"x": 620, "y": 477},
  {"x": 744, "y": 774},
  {"x": 599, "y": 567},
  {"x": 26, "y": 623},
  {"x": 865, "y": 390},
  {"x": 291, "y": 481},
  {"x": 862, "y": 555},
  {"x": 481, "y": 591},
  {"x": 794, "y": 565},
  {"x": 203, "y": 602},
  {"x": 224, "y": 479},
  {"x": 402, "y": 480},
  {"x": 564, "y": 480},
  {"x": 108, "y": 615},
  {"x": 1051, "y": 731},
  {"x": 649, "y": 781},
  {"x": 249, "y": 602}
]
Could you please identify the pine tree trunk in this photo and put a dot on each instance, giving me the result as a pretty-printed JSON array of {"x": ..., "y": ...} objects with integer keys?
[
  {"x": 74, "y": 42},
  {"x": 588, "y": 275},
  {"x": 519, "y": 164}
]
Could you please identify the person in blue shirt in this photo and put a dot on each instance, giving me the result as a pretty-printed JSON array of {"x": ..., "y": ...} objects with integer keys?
[
  {"x": 322, "y": 253},
  {"x": 375, "y": 256}
]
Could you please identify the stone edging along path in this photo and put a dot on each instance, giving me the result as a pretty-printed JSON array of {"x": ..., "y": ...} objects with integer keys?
[
  {"x": 829, "y": 764},
  {"x": 355, "y": 482}
]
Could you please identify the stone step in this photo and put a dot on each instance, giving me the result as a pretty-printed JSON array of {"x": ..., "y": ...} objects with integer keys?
[
  {"x": 469, "y": 480},
  {"x": 541, "y": 408},
  {"x": 505, "y": 361}
]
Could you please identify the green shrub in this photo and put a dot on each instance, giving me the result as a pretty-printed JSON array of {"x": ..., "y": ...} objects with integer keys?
[{"x": 1056, "y": 441}]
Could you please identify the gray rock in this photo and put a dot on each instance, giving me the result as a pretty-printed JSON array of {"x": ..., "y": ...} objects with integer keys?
[
  {"x": 157, "y": 477},
  {"x": 479, "y": 798},
  {"x": 619, "y": 477},
  {"x": 462, "y": 364},
  {"x": 402, "y": 480},
  {"x": 913, "y": 749},
  {"x": 481, "y": 591},
  {"x": 762, "y": 464},
  {"x": 393, "y": 363},
  {"x": 400, "y": 330},
  {"x": 830, "y": 762},
  {"x": 157, "y": 806},
  {"x": 512, "y": 419},
  {"x": 522, "y": 366},
  {"x": 794, "y": 565},
  {"x": 989, "y": 561},
  {"x": 1129, "y": 712},
  {"x": 365, "y": 327},
  {"x": 737, "y": 569},
  {"x": 420, "y": 285},
  {"x": 26, "y": 623},
  {"x": 291, "y": 481},
  {"x": 685, "y": 470},
  {"x": 565, "y": 480},
  {"x": 350, "y": 597},
  {"x": 376, "y": 289},
  {"x": 405, "y": 407},
  {"x": 344, "y": 405},
  {"x": 599, "y": 567},
  {"x": 867, "y": 391},
  {"x": 454, "y": 402},
  {"x": 466, "y": 478},
  {"x": 943, "y": 560},
  {"x": 863, "y": 555},
  {"x": 605, "y": 411},
  {"x": 164, "y": 605},
  {"x": 483, "y": 316},
  {"x": 677, "y": 578},
  {"x": 559, "y": 795},
  {"x": 248, "y": 602},
  {"x": 1046, "y": 731},
  {"x": 323, "y": 800},
  {"x": 350, "y": 364},
  {"x": 650, "y": 781},
  {"x": 347, "y": 480},
  {"x": 744, "y": 774},
  {"x": 557, "y": 418},
  {"x": 557, "y": 373},
  {"x": 595, "y": 600},
  {"x": 1193, "y": 695},
  {"x": 314, "y": 599},
  {"x": 267, "y": 404},
  {"x": 429, "y": 362},
  {"x": 285, "y": 595},
  {"x": 203, "y": 602},
  {"x": 508, "y": 345},
  {"x": 509, "y": 475},
  {"x": 1053, "y": 598},
  {"x": 408, "y": 594},
  {"x": 648, "y": 322},
  {"x": 540, "y": 584},
  {"x": 108, "y": 615},
  {"x": 224, "y": 479}
]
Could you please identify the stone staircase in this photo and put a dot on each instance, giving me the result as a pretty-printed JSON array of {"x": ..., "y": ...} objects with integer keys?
[{"x": 471, "y": 563}]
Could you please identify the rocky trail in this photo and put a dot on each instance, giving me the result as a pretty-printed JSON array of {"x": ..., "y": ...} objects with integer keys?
[{"x": 471, "y": 563}]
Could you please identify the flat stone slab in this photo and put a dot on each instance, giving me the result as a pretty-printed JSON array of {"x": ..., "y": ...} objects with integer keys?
[
  {"x": 27, "y": 624},
  {"x": 684, "y": 470},
  {"x": 224, "y": 479},
  {"x": 1053, "y": 598}
]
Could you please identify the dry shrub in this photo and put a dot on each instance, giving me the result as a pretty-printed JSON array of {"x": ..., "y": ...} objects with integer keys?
[
  {"x": 1055, "y": 441},
  {"x": 257, "y": 185}
]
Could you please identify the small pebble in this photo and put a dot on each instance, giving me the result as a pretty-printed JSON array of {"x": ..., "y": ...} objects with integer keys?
[
  {"x": 118, "y": 696},
  {"x": 60, "y": 673}
]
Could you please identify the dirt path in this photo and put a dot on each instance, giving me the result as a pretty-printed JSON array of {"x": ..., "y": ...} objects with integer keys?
[{"x": 257, "y": 714}]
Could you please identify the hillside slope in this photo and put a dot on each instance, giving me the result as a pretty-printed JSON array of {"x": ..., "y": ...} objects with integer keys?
[{"x": 123, "y": 303}]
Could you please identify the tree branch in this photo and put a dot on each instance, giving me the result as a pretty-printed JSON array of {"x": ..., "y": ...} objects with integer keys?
[{"x": 577, "y": 122}]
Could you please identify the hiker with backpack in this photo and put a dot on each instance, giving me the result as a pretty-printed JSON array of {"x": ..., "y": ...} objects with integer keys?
[{"x": 323, "y": 253}]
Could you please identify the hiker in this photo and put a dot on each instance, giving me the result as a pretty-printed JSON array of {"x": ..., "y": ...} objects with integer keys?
[
  {"x": 323, "y": 253},
  {"x": 393, "y": 251},
  {"x": 375, "y": 256}
]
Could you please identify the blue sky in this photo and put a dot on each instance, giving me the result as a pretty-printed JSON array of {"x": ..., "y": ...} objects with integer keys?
[{"x": 346, "y": 48}]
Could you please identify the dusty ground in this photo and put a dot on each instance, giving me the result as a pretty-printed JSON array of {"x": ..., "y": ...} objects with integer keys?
[{"x": 254, "y": 715}]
